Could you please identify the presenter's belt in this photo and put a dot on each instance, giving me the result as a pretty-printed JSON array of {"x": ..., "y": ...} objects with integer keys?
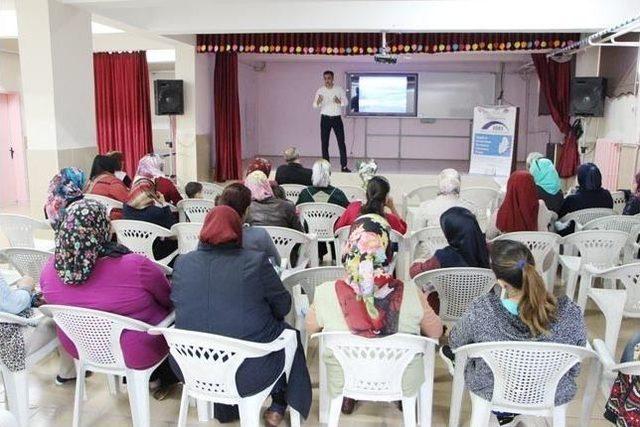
[{"x": 330, "y": 117}]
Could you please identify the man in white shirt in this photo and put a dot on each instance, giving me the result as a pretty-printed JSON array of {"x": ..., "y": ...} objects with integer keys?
[{"x": 330, "y": 99}]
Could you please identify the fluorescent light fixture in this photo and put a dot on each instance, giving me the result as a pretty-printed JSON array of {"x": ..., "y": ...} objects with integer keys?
[
  {"x": 161, "y": 55},
  {"x": 9, "y": 25}
]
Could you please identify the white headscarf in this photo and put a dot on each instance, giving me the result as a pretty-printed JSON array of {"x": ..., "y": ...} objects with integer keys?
[{"x": 449, "y": 182}]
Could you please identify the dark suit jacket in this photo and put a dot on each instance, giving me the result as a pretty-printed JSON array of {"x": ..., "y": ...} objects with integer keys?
[{"x": 293, "y": 173}]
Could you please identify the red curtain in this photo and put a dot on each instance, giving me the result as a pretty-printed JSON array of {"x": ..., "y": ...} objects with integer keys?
[
  {"x": 227, "y": 118},
  {"x": 554, "y": 83},
  {"x": 123, "y": 111}
]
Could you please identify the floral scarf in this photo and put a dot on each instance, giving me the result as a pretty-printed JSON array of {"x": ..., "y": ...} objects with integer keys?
[
  {"x": 259, "y": 185},
  {"x": 369, "y": 296},
  {"x": 81, "y": 239},
  {"x": 64, "y": 188}
]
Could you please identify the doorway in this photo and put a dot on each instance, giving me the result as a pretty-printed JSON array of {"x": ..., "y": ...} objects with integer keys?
[{"x": 13, "y": 176}]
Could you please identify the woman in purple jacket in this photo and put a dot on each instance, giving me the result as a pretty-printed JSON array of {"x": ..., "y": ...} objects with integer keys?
[{"x": 90, "y": 271}]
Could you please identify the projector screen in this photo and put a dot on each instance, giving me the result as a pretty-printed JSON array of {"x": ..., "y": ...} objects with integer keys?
[{"x": 377, "y": 94}]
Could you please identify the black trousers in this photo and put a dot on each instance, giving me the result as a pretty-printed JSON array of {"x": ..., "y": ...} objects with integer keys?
[{"x": 326, "y": 124}]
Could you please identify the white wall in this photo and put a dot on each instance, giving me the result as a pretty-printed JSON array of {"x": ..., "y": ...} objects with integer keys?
[{"x": 10, "y": 72}]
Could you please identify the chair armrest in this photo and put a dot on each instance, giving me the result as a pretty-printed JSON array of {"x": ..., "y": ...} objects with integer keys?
[
  {"x": 19, "y": 320},
  {"x": 595, "y": 271},
  {"x": 603, "y": 353},
  {"x": 167, "y": 321}
]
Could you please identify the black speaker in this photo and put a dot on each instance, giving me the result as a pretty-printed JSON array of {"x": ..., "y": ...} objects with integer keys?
[
  {"x": 587, "y": 96},
  {"x": 168, "y": 96}
]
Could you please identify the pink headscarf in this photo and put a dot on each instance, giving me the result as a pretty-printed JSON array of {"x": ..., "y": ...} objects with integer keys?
[
  {"x": 259, "y": 185},
  {"x": 150, "y": 167}
]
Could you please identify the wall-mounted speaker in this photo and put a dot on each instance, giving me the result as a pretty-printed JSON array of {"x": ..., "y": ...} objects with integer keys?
[
  {"x": 168, "y": 96},
  {"x": 587, "y": 96}
]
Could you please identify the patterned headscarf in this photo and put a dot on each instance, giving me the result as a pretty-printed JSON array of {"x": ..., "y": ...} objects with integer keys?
[
  {"x": 369, "y": 296},
  {"x": 64, "y": 188},
  {"x": 143, "y": 194},
  {"x": 81, "y": 239},
  {"x": 259, "y": 164},
  {"x": 259, "y": 185},
  {"x": 150, "y": 167}
]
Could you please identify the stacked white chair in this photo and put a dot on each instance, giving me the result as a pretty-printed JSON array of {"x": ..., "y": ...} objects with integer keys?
[
  {"x": 373, "y": 371},
  {"x": 20, "y": 231},
  {"x": 320, "y": 219},
  {"x": 544, "y": 247},
  {"x": 292, "y": 191},
  {"x": 456, "y": 287},
  {"x": 423, "y": 193},
  {"x": 618, "y": 201},
  {"x": 583, "y": 216},
  {"x": 353, "y": 193},
  {"x": 139, "y": 236},
  {"x": 107, "y": 202},
  {"x": 627, "y": 223},
  {"x": 188, "y": 235},
  {"x": 210, "y": 190},
  {"x": 209, "y": 364},
  {"x": 285, "y": 239},
  {"x": 525, "y": 379},
  {"x": 96, "y": 336},
  {"x": 16, "y": 383},
  {"x": 27, "y": 261},
  {"x": 425, "y": 242},
  {"x": 600, "y": 249},
  {"x": 194, "y": 210}
]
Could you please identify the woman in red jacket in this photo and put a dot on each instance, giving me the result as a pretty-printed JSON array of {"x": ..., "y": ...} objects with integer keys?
[
  {"x": 151, "y": 167},
  {"x": 378, "y": 202},
  {"x": 103, "y": 181}
]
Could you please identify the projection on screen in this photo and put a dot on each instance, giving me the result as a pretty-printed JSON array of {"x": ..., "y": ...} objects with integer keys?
[{"x": 382, "y": 94}]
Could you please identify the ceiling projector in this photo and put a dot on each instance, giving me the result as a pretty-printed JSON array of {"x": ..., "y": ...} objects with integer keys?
[{"x": 385, "y": 58}]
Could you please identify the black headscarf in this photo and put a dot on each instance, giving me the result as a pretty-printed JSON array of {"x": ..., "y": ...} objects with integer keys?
[
  {"x": 467, "y": 244},
  {"x": 589, "y": 177}
]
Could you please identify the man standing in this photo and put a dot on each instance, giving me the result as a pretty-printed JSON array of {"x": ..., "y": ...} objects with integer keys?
[{"x": 330, "y": 99}]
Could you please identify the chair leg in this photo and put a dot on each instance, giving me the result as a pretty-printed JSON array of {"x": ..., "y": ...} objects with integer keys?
[
  {"x": 323, "y": 386},
  {"x": 425, "y": 403},
  {"x": 571, "y": 279},
  {"x": 480, "y": 411},
  {"x": 334, "y": 411},
  {"x": 250, "y": 410},
  {"x": 583, "y": 290},
  {"x": 294, "y": 417},
  {"x": 17, "y": 394},
  {"x": 113, "y": 383},
  {"x": 409, "y": 411},
  {"x": 560, "y": 416},
  {"x": 138, "y": 386},
  {"x": 184, "y": 408},
  {"x": 203, "y": 410},
  {"x": 78, "y": 399}
]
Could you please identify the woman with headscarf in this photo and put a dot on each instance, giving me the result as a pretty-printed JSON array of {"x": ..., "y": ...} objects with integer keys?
[
  {"x": 589, "y": 193},
  {"x": 64, "y": 189},
  {"x": 632, "y": 207},
  {"x": 266, "y": 209},
  {"x": 521, "y": 209},
  {"x": 264, "y": 165},
  {"x": 88, "y": 270},
  {"x": 547, "y": 182},
  {"x": 369, "y": 302},
  {"x": 321, "y": 190},
  {"x": 428, "y": 214},
  {"x": 467, "y": 247},
  {"x": 244, "y": 299},
  {"x": 151, "y": 167}
]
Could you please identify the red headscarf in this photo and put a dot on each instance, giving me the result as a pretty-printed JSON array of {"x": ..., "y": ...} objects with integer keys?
[
  {"x": 221, "y": 225},
  {"x": 519, "y": 211}
]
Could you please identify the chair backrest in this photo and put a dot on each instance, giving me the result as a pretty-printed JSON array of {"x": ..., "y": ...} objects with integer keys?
[
  {"x": 188, "y": 234},
  {"x": 194, "y": 210},
  {"x": 619, "y": 201},
  {"x": 457, "y": 287},
  {"x": 311, "y": 277},
  {"x": 426, "y": 241},
  {"x": 525, "y": 374},
  {"x": 19, "y": 229},
  {"x": 94, "y": 333},
  {"x": 320, "y": 218},
  {"x": 583, "y": 216},
  {"x": 600, "y": 248},
  {"x": 624, "y": 223},
  {"x": 480, "y": 197},
  {"x": 209, "y": 363},
  {"x": 139, "y": 236},
  {"x": 107, "y": 202},
  {"x": 292, "y": 191},
  {"x": 423, "y": 193},
  {"x": 629, "y": 276},
  {"x": 373, "y": 367},
  {"x": 210, "y": 190},
  {"x": 353, "y": 192},
  {"x": 28, "y": 261},
  {"x": 285, "y": 239}
]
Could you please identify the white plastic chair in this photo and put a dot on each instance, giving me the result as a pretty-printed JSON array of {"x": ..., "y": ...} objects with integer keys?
[
  {"x": 16, "y": 383},
  {"x": 320, "y": 218},
  {"x": 96, "y": 336},
  {"x": 194, "y": 210},
  {"x": 525, "y": 379},
  {"x": 423, "y": 193},
  {"x": 209, "y": 364},
  {"x": 139, "y": 236},
  {"x": 617, "y": 304},
  {"x": 544, "y": 246},
  {"x": 618, "y": 201},
  {"x": 373, "y": 369},
  {"x": 7, "y": 419},
  {"x": 627, "y": 223},
  {"x": 428, "y": 240},
  {"x": 456, "y": 287},
  {"x": 599, "y": 248},
  {"x": 609, "y": 368},
  {"x": 285, "y": 239},
  {"x": 107, "y": 202},
  {"x": 292, "y": 191},
  {"x": 27, "y": 261},
  {"x": 353, "y": 192},
  {"x": 210, "y": 190},
  {"x": 482, "y": 198},
  {"x": 583, "y": 216},
  {"x": 20, "y": 231},
  {"x": 188, "y": 235}
]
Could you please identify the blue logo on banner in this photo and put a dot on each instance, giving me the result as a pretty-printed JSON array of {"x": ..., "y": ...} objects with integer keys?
[
  {"x": 486, "y": 144},
  {"x": 495, "y": 126}
]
